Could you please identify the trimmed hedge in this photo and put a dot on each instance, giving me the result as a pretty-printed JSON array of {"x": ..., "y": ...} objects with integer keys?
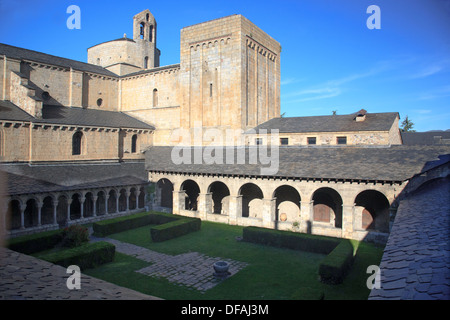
[
  {"x": 107, "y": 227},
  {"x": 332, "y": 269},
  {"x": 290, "y": 240},
  {"x": 336, "y": 265},
  {"x": 175, "y": 229},
  {"x": 88, "y": 255},
  {"x": 168, "y": 226},
  {"x": 36, "y": 242}
]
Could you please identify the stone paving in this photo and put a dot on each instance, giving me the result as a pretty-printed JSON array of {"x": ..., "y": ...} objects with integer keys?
[
  {"x": 24, "y": 277},
  {"x": 416, "y": 260},
  {"x": 192, "y": 269}
]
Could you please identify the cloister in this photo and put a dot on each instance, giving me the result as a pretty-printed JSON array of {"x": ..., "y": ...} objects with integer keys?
[
  {"x": 334, "y": 208},
  {"x": 29, "y": 213}
]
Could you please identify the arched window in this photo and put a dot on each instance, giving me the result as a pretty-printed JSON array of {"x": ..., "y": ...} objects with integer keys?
[
  {"x": 142, "y": 30},
  {"x": 133, "y": 143},
  {"x": 145, "y": 62},
  {"x": 155, "y": 97},
  {"x": 76, "y": 143}
]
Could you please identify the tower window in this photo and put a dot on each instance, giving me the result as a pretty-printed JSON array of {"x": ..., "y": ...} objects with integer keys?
[
  {"x": 145, "y": 62},
  {"x": 45, "y": 96},
  {"x": 284, "y": 141},
  {"x": 155, "y": 97},
  {"x": 99, "y": 102},
  {"x": 142, "y": 30},
  {"x": 76, "y": 143},
  {"x": 133, "y": 143},
  {"x": 210, "y": 89}
]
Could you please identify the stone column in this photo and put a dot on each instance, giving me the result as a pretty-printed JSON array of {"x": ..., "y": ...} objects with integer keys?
[
  {"x": 178, "y": 201},
  {"x": 39, "y": 208},
  {"x": 82, "y": 199},
  {"x": 106, "y": 202},
  {"x": 69, "y": 202},
  {"x": 22, "y": 218},
  {"x": 94, "y": 202},
  {"x": 306, "y": 216},
  {"x": 268, "y": 214},
  {"x": 128, "y": 194},
  {"x": 204, "y": 204},
  {"x": 138, "y": 193},
  {"x": 347, "y": 221},
  {"x": 117, "y": 202},
  {"x": 235, "y": 209},
  {"x": 55, "y": 208}
]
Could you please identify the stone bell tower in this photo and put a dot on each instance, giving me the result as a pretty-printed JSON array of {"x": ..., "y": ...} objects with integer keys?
[
  {"x": 124, "y": 55},
  {"x": 144, "y": 34}
]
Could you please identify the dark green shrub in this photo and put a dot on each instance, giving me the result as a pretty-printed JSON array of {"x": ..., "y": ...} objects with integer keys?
[
  {"x": 290, "y": 240},
  {"x": 36, "y": 242},
  {"x": 337, "y": 264},
  {"x": 88, "y": 255},
  {"x": 107, "y": 227},
  {"x": 74, "y": 236},
  {"x": 174, "y": 229}
]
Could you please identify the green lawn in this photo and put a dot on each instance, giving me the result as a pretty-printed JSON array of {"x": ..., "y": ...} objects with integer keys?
[{"x": 272, "y": 273}]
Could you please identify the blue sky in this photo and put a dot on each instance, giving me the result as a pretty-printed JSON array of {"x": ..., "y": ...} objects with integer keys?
[{"x": 330, "y": 60}]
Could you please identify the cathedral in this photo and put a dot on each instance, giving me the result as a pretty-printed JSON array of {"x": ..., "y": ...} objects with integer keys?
[{"x": 81, "y": 142}]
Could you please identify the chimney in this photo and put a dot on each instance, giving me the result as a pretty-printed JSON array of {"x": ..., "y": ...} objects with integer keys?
[{"x": 360, "y": 115}]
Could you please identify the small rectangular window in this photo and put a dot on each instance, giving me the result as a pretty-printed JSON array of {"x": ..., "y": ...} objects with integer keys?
[
  {"x": 258, "y": 141},
  {"x": 284, "y": 141},
  {"x": 311, "y": 140},
  {"x": 341, "y": 140},
  {"x": 210, "y": 89}
]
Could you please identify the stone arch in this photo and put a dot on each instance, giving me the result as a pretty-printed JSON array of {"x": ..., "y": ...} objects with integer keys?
[
  {"x": 372, "y": 209},
  {"x": 192, "y": 191},
  {"x": 250, "y": 192},
  {"x": 100, "y": 203},
  {"x": 112, "y": 201},
  {"x": 141, "y": 197},
  {"x": 132, "y": 199},
  {"x": 75, "y": 206},
  {"x": 13, "y": 220},
  {"x": 164, "y": 193},
  {"x": 30, "y": 214},
  {"x": 327, "y": 206},
  {"x": 47, "y": 210},
  {"x": 220, "y": 196},
  {"x": 61, "y": 210},
  {"x": 122, "y": 200},
  {"x": 287, "y": 203},
  {"x": 88, "y": 205}
]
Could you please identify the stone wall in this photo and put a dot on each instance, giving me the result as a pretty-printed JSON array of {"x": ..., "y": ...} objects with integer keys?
[
  {"x": 215, "y": 74},
  {"x": 42, "y": 143}
]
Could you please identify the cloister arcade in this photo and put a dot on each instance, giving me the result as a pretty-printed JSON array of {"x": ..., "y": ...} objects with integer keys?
[
  {"x": 30, "y": 213},
  {"x": 349, "y": 209}
]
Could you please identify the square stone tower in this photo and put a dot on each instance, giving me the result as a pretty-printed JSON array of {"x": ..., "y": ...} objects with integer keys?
[{"x": 229, "y": 74}]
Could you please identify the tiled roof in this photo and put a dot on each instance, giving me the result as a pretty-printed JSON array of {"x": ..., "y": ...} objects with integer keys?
[
  {"x": 415, "y": 263},
  {"x": 25, "y": 54},
  {"x": 395, "y": 163},
  {"x": 25, "y": 178},
  {"x": 73, "y": 116},
  {"x": 426, "y": 138},
  {"x": 334, "y": 123}
]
